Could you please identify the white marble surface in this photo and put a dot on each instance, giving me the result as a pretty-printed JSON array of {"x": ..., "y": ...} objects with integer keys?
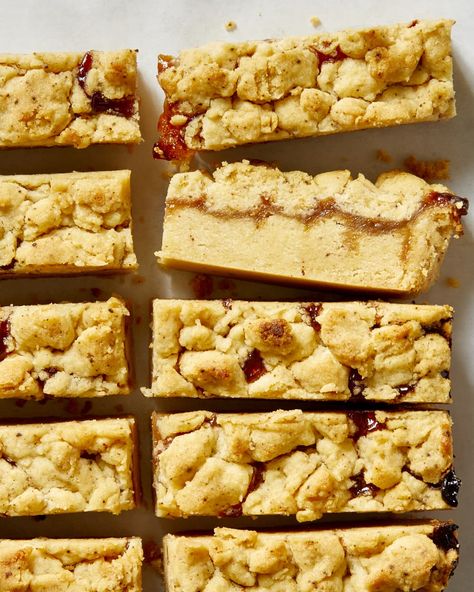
[{"x": 155, "y": 26}]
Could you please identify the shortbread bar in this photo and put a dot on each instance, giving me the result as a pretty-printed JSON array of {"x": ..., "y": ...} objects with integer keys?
[
  {"x": 338, "y": 351},
  {"x": 302, "y": 463},
  {"x": 73, "y": 99},
  {"x": 64, "y": 350},
  {"x": 74, "y": 466},
  {"x": 66, "y": 223},
  {"x": 329, "y": 230},
  {"x": 226, "y": 94},
  {"x": 71, "y": 565},
  {"x": 409, "y": 557}
]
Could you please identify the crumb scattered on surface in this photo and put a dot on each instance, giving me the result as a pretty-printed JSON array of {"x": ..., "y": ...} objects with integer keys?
[
  {"x": 427, "y": 169},
  {"x": 96, "y": 292},
  {"x": 383, "y": 155},
  {"x": 202, "y": 286},
  {"x": 230, "y": 26},
  {"x": 166, "y": 175},
  {"x": 452, "y": 282},
  {"x": 138, "y": 279},
  {"x": 315, "y": 21}
]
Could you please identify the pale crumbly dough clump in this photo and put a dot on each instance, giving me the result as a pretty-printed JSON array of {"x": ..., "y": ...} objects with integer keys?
[
  {"x": 73, "y": 99},
  {"x": 76, "y": 466},
  {"x": 71, "y": 565},
  {"x": 66, "y": 223},
  {"x": 367, "y": 559},
  {"x": 64, "y": 350},
  {"x": 301, "y": 350},
  {"x": 302, "y": 464},
  {"x": 328, "y": 230},
  {"x": 237, "y": 93}
]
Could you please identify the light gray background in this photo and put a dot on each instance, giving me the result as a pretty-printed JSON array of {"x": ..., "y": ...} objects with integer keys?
[{"x": 166, "y": 27}]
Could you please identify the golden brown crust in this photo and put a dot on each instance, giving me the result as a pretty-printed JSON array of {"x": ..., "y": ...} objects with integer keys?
[
  {"x": 64, "y": 350},
  {"x": 66, "y": 223},
  {"x": 301, "y": 350},
  {"x": 76, "y": 466},
  {"x": 71, "y": 565},
  {"x": 367, "y": 559},
  {"x": 73, "y": 99},
  {"x": 303, "y": 464},
  {"x": 225, "y": 94},
  {"x": 328, "y": 230}
]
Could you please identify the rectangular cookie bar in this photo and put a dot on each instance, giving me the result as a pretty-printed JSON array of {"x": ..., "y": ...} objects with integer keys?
[
  {"x": 68, "y": 223},
  {"x": 69, "y": 99},
  {"x": 67, "y": 565},
  {"x": 227, "y": 94},
  {"x": 327, "y": 351},
  {"x": 64, "y": 350},
  {"x": 302, "y": 463},
  {"x": 409, "y": 557},
  {"x": 64, "y": 467},
  {"x": 329, "y": 230}
]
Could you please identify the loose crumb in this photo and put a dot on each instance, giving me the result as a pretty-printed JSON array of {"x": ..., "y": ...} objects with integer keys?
[
  {"x": 138, "y": 279},
  {"x": 230, "y": 26},
  {"x": 202, "y": 286},
  {"x": 452, "y": 282},
  {"x": 315, "y": 21},
  {"x": 428, "y": 169},
  {"x": 383, "y": 155}
]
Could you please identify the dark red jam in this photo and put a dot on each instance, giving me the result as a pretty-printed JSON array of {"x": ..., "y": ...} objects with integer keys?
[
  {"x": 365, "y": 422},
  {"x": 4, "y": 333},
  {"x": 256, "y": 480},
  {"x": 124, "y": 106},
  {"x": 436, "y": 198},
  {"x": 356, "y": 384},
  {"x": 171, "y": 145},
  {"x": 450, "y": 486},
  {"x": 444, "y": 538},
  {"x": 83, "y": 69},
  {"x": 404, "y": 389},
  {"x": 254, "y": 367},
  {"x": 99, "y": 102},
  {"x": 165, "y": 62},
  {"x": 313, "y": 311},
  {"x": 337, "y": 55},
  {"x": 361, "y": 487}
]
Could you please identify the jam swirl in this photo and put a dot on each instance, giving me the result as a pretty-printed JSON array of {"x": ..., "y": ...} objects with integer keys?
[{"x": 124, "y": 106}]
